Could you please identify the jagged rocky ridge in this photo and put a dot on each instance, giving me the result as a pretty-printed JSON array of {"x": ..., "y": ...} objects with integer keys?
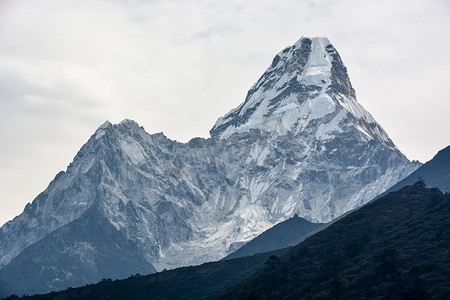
[{"x": 300, "y": 143}]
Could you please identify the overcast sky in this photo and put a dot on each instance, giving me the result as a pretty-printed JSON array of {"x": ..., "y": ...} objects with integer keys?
[{"x": 176, "y": 66}]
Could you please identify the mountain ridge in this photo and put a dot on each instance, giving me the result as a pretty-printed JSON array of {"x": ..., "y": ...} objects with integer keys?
[
  {"x": 287, "y": 233},
  {"x": 434, "y": 173}
]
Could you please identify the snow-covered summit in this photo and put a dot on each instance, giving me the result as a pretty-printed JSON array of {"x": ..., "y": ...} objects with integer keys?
[{"x": 305, "y": 83}]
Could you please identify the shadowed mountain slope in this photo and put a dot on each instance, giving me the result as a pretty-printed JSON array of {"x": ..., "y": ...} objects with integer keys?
[
  {"x": 85, "y": 251},
  {"x": 394, "y": 248},
  {"x": 435, "y": 173},
  {"x": 287, "y": 233}
]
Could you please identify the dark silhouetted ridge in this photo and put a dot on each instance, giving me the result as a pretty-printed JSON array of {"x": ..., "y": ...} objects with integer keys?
[{"x": 287, "y": 233}]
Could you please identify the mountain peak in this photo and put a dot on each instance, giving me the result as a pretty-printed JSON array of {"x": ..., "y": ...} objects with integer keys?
[
  {"x": 128, "y": 122},
  {"x": 305, "y": 86},
  {"x": 125, "y": 124},
  {"x": 106, "y": 124},
  {"x": 317, "y": 69},
  {"x": 320, "y": 39},
  {"x": 310, "y": 60}
]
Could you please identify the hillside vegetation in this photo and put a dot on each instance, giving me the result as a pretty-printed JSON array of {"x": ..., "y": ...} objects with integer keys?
[
  {"x": 397, "y": 247},
  {"x": 199, "y": 282}
]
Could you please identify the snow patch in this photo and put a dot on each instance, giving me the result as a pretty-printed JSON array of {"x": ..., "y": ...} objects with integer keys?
[
  {"x": 133, "y": 150},
  {"x": 324, "y": 130},
  {"x": 318, "y": 67}
]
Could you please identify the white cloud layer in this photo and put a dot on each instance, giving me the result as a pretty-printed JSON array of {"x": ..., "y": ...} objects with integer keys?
[{"x": 176, "y": 66}]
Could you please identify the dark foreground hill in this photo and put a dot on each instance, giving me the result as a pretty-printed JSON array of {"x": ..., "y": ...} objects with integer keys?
[
  {"x": 397, "y": 247},
  {"x": 199, "y": 282}
]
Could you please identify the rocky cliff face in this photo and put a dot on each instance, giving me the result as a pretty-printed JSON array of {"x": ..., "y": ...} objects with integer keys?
[{"x": 299, "y": 144}]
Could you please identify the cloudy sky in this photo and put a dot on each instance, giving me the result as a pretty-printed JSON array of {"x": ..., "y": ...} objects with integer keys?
[{"x": 176, "y": 66}]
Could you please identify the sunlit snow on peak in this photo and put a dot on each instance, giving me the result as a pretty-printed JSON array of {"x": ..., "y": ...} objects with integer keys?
[{"x": 318, "y": 68}]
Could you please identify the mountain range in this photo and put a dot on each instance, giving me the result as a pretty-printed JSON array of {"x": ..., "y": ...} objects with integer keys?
[
  {"x": 394, "y": 247},
  {"x": 300, "y": 144}
]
